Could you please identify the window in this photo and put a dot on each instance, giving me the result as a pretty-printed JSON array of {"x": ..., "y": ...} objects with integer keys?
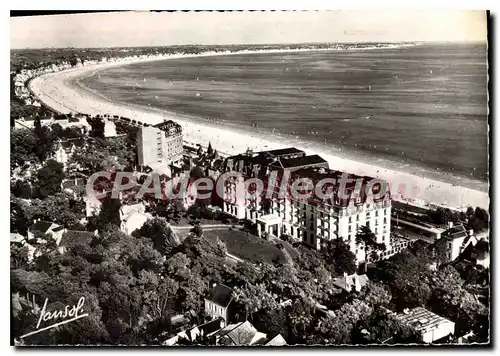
[
  {"x": 350, "y": 219},
  {"x": 350, "y": 228}
]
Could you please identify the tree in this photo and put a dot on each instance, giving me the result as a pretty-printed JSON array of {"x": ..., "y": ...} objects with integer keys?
[
  {"x": 58, "y": 208},
  {"x": 452, "y": 301},
  {"x": 191, "y": 293},
  {"x": 45, "y": 140},
  {"x": 18, "y": 257},
  {"x": 338, "y": 330},
  {"x": 408, "y": 278},
  {"x": 23, "y": 145},
  {"x": 369, "y": 239},
  {"x": 49, "y": 179},
  {"x": 210, "y": 150},
  {"x": 21, "y": 189},
  {"x": 375, "y": 294},
  {"x": 480, "y": 220},
  {"x": 254, "y": 298},
  {"x": 178, "y": 266},
  {"x": 197, "y": 230},
  {"x": 339, "y": 258},
  {"x": 382, "y": 327},
  {"x": 272, "y": 322},
  {"x": 300, "y": 320},
  {"x": 160, "y": 232},
  {"x": 108, "y": 215},
  {"x": 19, "y": 221},
  {"x": 97, "y": 127}
]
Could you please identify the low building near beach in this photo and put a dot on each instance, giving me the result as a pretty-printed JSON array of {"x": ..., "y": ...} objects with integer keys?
[
  {"x": 160, "y": 144},
  {"x": 454, "y": 242},
  {"x": 109, "y": 128},
  {"x": 429, "y": 326}
]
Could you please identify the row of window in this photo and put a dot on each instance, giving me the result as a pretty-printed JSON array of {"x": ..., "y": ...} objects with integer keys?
[{"x": 215, "y": 308}]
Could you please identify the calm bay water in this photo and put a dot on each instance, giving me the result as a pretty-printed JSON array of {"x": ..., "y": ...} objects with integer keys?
[{"x": 423, "y": 105}]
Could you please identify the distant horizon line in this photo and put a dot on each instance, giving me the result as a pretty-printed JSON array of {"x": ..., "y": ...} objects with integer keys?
[{"x": 260, "y": 44}]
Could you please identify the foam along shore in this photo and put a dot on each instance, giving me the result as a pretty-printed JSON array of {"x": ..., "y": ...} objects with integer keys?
[{"x": 62, "y": 92}]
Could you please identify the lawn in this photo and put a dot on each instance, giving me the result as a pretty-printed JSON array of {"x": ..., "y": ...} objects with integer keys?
[{"x": 247, "y": 246}]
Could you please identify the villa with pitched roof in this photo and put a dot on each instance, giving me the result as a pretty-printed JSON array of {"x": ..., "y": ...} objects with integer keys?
[{"x": 218, "y": 302}]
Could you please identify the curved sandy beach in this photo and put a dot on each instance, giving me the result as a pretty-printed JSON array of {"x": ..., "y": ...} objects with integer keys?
[{"x": 62, "y": 92}]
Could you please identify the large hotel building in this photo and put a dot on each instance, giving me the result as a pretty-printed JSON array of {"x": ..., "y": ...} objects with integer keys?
[
  {"x": 313, "y": 221},
  {"x": 159, "y": 144}
]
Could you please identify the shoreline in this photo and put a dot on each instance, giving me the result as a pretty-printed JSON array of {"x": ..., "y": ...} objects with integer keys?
[{"x": 63, "y": 92}]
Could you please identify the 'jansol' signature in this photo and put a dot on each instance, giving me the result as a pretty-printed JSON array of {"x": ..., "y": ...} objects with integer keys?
[{"x": 72, "y": 311}]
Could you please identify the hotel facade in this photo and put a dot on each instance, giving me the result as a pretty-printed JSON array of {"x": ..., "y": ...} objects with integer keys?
[
  {"x": 160, "y": 144},
  {"x": 313, "y": 221}
]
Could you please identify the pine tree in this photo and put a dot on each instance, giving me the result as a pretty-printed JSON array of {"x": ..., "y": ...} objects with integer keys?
[{"x": 210, "y": 150}]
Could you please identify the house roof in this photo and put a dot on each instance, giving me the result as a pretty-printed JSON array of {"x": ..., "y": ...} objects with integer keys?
[
  {"x": 422, "y": 320},
  {"x": 278, "y": 340},
  {"x": 221, "y": 295},
  {"x": 58, "y": 228},
  {"x": 128, "y": 211},
  {"x": 73, "y": 238},
  {"x": 16, "y": 237},
  {"x": 456, "y": 232},
  {"x": 41, "y": 226},
  {"x": 242, "y": 333},
  {"x": 210, "y": 327}
]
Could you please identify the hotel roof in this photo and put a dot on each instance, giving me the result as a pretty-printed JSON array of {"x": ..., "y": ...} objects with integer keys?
[
  {"x": 299, "y": 162},
  {"x": 283, "y": 151},
  {"x": 316, "y": 174}
]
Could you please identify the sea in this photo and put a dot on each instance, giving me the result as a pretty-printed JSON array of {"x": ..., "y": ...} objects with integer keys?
[{"x": 422, "y": 106}]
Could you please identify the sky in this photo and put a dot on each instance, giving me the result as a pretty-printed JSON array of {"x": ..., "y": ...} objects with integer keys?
[{"x": 128, "y": 29}]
